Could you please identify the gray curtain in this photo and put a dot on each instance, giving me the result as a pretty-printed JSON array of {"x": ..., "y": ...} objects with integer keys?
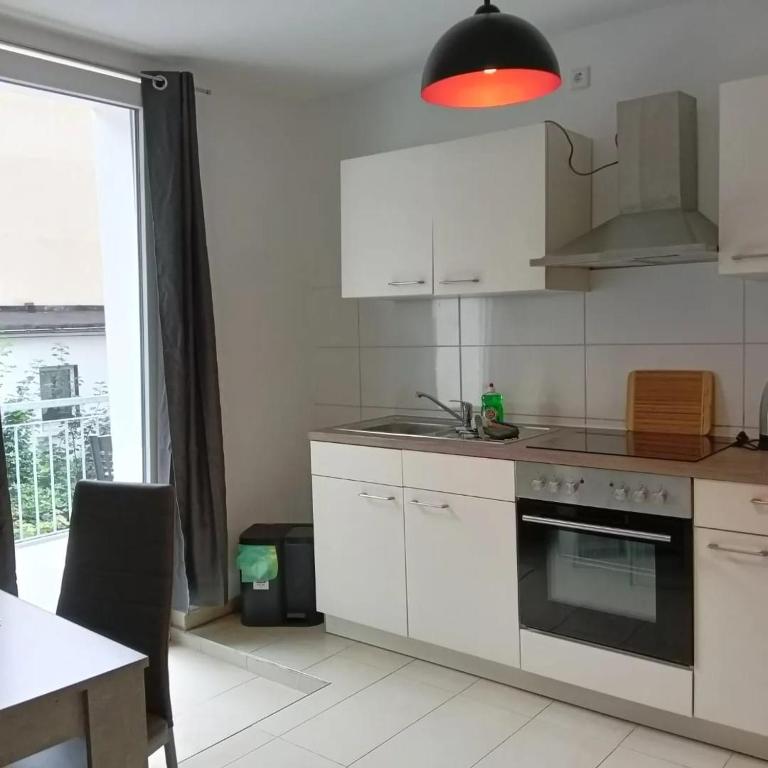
[
  {"x": 7, "y": 550},
  {"x": 187, "y": 333}
]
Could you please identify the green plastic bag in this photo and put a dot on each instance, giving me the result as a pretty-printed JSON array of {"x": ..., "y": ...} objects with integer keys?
[{"x": 257, "y": 562}]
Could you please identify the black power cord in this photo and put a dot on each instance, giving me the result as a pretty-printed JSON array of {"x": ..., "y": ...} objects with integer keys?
[
  {"x": 573, "y": 151},
  {"x": 744, "y": 441}
]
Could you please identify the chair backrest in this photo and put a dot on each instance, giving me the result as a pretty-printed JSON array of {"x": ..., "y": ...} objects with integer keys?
[{"x": 118, "y": 573}]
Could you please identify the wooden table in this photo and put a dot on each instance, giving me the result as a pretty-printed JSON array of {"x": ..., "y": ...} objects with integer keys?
[{"x": 59, "y": 681}]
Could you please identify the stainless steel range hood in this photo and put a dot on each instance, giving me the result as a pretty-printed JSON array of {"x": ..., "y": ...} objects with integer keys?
[{"x": 659, "y": 221}]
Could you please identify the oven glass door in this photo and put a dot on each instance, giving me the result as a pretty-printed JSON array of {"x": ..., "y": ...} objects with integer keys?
[{"x": 617, "y": 579}]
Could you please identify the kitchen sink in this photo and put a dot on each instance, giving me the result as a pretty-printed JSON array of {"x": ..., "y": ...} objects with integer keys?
[
  {"x": 410, "y": 428},
  {"x": 433, "y": 429}
]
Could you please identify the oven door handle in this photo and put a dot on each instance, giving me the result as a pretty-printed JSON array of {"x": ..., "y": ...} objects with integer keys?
[{"x": 662, "y": 538}]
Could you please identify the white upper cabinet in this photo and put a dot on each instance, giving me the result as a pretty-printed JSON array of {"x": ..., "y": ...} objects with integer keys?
[
  {"x": 479, "y": 209},
  {"x": 502, "y": 200},
  {"x": 744, "y": 177},
  {"x": 386, "y": 224}
]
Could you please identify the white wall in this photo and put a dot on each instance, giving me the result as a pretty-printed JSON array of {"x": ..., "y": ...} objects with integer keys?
[
  {"x": 555, "y": 357},
  {"x": 253, "y": 153},
  {"x": 691, "y": 47}
]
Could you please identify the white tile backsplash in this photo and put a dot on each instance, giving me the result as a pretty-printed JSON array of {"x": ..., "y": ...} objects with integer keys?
[
  {"x": 333, "y": 415},
  {"x": 376, "y": 413},
  {"x": 609, "y": 365},
  {"x": 756, "y": 292},
  {"x": 391, "y": 376},
  {"x": 534, "y": 347},
  {"x": 681, "y": 304},
  {"x": 409, "y": 323},
  {"x": 534, "y": 380},
  {"x": 556, "y": 318}
]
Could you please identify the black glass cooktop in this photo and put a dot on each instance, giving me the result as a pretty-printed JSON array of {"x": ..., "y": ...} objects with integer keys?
[{"x": 645, "y": 445}]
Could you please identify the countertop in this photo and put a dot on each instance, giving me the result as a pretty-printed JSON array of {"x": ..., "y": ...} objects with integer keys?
[{"x": 732, "y": 464}]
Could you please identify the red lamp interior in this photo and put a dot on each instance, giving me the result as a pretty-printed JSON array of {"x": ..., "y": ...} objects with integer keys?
[{"x": 491, "y": 88}]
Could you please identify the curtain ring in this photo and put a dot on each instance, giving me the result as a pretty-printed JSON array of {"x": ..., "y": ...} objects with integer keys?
[{"x": 159, "y": 82}]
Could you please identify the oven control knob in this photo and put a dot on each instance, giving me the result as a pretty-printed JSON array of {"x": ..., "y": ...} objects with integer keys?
[
  {"x": 659, "y": 497},
  {"x": 538, "y": 483},
  {"x": 640, "y": 495},
  {"x": 571, "y": 486},
  {"x": 553, "y": 486},
  {"x": 620, "y": 493}
]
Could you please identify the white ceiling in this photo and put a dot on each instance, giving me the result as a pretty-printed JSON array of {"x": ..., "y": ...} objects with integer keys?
[{"x": 309, "y": 46}]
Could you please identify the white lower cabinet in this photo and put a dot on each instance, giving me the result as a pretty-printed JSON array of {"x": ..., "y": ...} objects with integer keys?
[
  {"x": 462, "y": 574},
  {"x": 731, "y": 629},
  {"x": 360, "y": 552},
  {"x": 441, "y": 567},
  {"x": 633, "y": 678}
]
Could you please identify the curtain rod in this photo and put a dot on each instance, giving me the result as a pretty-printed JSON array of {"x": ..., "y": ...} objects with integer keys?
[{"x": 158, "y": 80}]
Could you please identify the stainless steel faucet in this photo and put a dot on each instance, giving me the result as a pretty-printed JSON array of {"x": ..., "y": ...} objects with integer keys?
[
  {"x": 763, "y": 440},
  {"x": 464, "y": 418}
]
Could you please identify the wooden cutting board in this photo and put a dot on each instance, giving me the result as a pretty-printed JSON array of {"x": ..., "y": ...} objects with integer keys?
[{"x": 673, "y": 402}]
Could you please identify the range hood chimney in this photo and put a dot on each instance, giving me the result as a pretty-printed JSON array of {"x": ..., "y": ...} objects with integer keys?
[{"x": 659, "y": 221}]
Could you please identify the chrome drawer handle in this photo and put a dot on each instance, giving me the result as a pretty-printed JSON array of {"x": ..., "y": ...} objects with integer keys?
[
  {"x": 738, "y": 551},
  {"x": 375, "y": 498},
  {"x": 428, "y": 506},
  {"x": 747, "y": 256},
  {"x": 587, "y": 528},
  {"x": 399, "y": 283},
  {"x": 760, "y": 502},
  {"x": 458, "y": 282}
]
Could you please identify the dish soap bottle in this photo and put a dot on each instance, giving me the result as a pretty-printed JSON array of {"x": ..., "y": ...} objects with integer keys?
[{"x": 493, "y": 405}]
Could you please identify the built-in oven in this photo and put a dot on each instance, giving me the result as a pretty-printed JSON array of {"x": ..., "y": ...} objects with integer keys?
[{"x": 606, "y": 558}]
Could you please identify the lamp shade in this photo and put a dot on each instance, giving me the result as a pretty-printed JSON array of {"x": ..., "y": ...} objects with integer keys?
[{"x": 491, "y": 59}]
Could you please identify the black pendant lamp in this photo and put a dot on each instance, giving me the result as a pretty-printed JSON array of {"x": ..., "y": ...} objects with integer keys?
[{"x": 491, "y": 59}]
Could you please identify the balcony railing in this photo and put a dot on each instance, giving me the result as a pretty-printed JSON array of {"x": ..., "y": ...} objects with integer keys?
[{"x": 47, "y": 454}]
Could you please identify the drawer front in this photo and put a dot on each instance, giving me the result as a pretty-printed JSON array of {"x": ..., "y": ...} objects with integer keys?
[
  {"x": 357, "y": 462},
  {"x": 360, "y": 552},
  {"x": 466, "y": 475},
  {"x": 731, "y": 506},
  {"x": 627, "y": 677}
]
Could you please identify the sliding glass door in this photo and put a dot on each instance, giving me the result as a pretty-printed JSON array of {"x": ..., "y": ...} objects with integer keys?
[{"x": 71, "y": 318}]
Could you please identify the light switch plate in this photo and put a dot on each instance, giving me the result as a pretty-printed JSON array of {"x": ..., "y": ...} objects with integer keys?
[{"x": 581, "y": 77}]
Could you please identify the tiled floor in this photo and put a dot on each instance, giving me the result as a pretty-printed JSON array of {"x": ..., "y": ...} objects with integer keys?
[{"x": 384, "y": 710}]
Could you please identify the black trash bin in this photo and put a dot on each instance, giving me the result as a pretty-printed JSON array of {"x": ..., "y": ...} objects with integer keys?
[
  {"x": 299, "y": 578},
  {"x": 289, "y": 597}
]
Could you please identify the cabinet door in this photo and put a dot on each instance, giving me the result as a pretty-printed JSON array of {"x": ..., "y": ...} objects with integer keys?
[
  {"x": 462, "y": 574},
  {"x": 490, "y": 216},
  {"x": 386, "y": 224},
  {"x": 743, "y": 177},
  {"x": 731, "y": 627},
  {"x": 360, "y": 552}
]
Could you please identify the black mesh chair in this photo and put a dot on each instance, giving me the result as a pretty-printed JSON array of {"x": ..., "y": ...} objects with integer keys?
[{"x": 118, "y": 577}]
